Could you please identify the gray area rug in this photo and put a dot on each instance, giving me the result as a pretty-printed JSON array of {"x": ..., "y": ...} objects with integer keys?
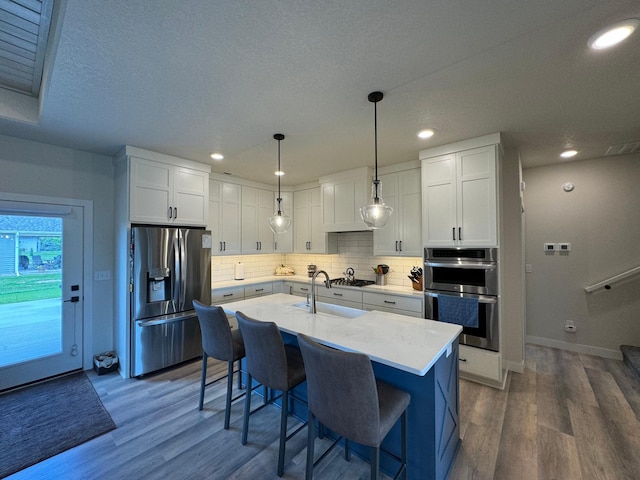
[{"x": 43, "y": 420}]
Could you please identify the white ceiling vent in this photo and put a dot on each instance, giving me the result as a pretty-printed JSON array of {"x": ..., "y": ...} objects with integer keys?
[
  {"x": 623, "y": 149},
  {"x": 24, "y": 32}
]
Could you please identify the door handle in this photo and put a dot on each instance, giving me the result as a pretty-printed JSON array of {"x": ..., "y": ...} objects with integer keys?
[
  {"x": 175, "y": 212},
  {"x": 170, "y": 212},
  {"x": 73, "y": 300},
  {"x": 459, "y": 233},
  {"x": 400, "y": 245},
  {"x": 396, "y": 245},
  {"x": 453, "y": 233},
  {"x": 387, "y": 301}
]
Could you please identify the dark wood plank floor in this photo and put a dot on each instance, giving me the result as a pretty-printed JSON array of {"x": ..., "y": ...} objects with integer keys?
[{"x": 568, "y": 416}]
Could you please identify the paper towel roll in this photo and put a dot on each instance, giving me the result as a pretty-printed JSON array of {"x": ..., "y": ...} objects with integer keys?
[{"x": 238, "y": 271}]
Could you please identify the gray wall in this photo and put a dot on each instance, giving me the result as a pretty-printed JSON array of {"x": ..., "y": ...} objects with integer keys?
[
  {"x": 601, "y": 219},
  {"x": 40, "y": 169}
]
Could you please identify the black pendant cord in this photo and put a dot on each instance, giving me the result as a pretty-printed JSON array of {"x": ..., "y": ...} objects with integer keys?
[
  {"x": 279, "y": 137},
  {"x": 375, "y": 97}
]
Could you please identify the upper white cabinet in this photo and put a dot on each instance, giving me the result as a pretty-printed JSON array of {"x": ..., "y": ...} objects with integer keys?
[
  {"x": 402, "y": 235},
  {"x": 459, "y": 195},
  {"x": 168, "y": 193},
  {"x": 342, "y": 196},
  {"x": 224, "y": 217},
  {"x": 257, "y": 207},
  {"x": 283, "y": 242},
  {"x": 309, "y": 237}
]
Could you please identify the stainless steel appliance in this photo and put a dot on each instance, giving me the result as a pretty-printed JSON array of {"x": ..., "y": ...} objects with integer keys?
[
  {"x": 465, "y": 272},
  {"x": 170, "y": 267}
]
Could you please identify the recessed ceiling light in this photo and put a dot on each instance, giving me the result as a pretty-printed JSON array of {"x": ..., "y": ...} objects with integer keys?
[
  {"x": 427, "y": 133},
  {"x": 613, "y": 34},
  {"x": 217, "y": 156},
  {"x": 569, "y": 153},
  {"x": 279, "y": 173}
]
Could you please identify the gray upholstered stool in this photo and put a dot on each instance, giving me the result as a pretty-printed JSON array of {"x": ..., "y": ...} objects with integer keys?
[
  {"x": 273, "y": 364},
  {"x": 221, "y": 343},
  {"x": 344, "y": 396}
]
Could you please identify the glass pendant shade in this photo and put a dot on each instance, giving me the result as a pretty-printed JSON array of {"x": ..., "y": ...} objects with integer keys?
[
  {"x": 376, "y": 214},
  {"x": 279, "y": 222}
]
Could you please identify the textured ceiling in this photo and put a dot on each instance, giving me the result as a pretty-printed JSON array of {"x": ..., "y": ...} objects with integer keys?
[{"x": 191, "y": 77}]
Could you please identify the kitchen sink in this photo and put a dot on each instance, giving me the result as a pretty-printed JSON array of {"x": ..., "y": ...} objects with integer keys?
[{"x": 337, "y": 310}]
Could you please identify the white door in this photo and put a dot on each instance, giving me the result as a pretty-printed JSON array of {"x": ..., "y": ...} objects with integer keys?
[{"x": 41, "y": 301}]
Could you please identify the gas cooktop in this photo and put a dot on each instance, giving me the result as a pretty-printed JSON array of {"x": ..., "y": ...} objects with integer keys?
[{"x": 351, "y": 283}]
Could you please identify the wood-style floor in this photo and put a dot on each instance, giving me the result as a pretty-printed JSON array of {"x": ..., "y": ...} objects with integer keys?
[{"x": 568, "y": 416}]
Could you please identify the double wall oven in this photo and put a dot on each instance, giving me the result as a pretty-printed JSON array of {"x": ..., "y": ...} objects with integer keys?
[{"x": 465, "y": 272}]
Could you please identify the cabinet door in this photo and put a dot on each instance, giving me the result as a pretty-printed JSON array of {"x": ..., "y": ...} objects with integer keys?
[
  {"x": 301, "y": 221},
  {"x": 476, "y": 197},
  {"x": 265, "y": 210},
  {"x": 317, "y": 235},
  {"x": 151, "y": 191},
  {"x": 191, "y": 197},
  {"x": 409, "y": 215},
  {"x": 231, "y": 209},
  {"x": 439, "y": 200},
  {"x": 215, "y": 216},
  {"x": 341, "y": 202},
  {"x": 386, "y": 240},
  {"x": 249, "y": 220}
]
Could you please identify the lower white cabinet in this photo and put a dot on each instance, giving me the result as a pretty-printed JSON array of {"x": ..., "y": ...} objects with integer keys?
[
  {"x": 481, "y": 363},
  {"x": 411, "y": 306},
  {"x": 227, "y": 294},
  {"x": 258, "y": 290},
  {"x": 340, "y": 296}
]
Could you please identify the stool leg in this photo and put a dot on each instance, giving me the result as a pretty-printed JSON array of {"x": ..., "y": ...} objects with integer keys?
[
  {"x": 239, "y": 375},
  {"x": 227, "y": 410},
  {"x": 283, "y": 431},
  {"x": 375, "y": 462},
  {"x": 203, "y": 380},
  {"x": 247, "y": 409},
  {"x": 403, "y": 429},
  {"x": 310, "y": 440}
]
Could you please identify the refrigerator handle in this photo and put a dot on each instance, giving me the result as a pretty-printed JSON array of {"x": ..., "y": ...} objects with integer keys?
[{"x": 183, "y": 266}]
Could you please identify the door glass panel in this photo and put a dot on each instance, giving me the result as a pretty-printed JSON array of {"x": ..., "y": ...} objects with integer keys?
[{"x": 30, "y": 288}]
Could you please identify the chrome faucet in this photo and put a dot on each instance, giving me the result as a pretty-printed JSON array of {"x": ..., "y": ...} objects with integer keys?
[{"x": 312, "y": 308}]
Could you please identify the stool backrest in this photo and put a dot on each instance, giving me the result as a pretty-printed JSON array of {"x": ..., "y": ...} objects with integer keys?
[
  {"x": 216, "y": 333},
  {"x": 342, "y": 391},
  {"x": 265, "y": 352}
]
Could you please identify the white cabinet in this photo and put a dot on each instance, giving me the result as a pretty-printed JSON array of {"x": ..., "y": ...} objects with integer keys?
[
  {"x": 342, "y": 196},
  {"x": 480, "y": 363},
  {"x": 459, "y": 205},
  {"x": 400, "y": 304},
  {"x": 227, "y": 294},
  {"x": 258, "y": 290},
  {"x": 224, "y": 217},
  {"x": 283, "y": 242},
  {"x": 165, "y": 193},
  {"x": 339, "y": 296},
  {"x": 257, "y": 207},
  {"x": 309, "y": 237},
  {"x": 402, "y": 235}
]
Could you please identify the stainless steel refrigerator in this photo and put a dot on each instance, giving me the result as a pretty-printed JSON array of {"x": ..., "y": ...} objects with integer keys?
[{"x": 170, "y": 267}]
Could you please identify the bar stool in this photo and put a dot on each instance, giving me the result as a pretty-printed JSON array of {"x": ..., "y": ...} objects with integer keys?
[
  {"x": 273, "y": 364},
  {"x": 219, "y": 341},
  {"x": 344, "y": 396}
]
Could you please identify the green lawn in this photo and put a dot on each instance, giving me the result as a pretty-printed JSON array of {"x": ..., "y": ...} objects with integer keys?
[{"x": 25, "y": 288}]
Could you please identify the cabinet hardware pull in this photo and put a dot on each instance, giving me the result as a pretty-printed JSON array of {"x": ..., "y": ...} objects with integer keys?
[
  {"x": 400, "y": 245},
  {"x": 453, "y": 233},
  {"x": 175, "y": 212},
  {"x": 459, "y": 233},
  {"x": 387, "y": 301},
  {"x": 304, "y": 289},
  {"x": 462, "y": 359},
  {"x": 220, "y": 246},
  {"x": 259, "y": 289},
  {"x": 224, "y": 244},
  {"x": 338, "y": 294},
  {"x": 227, "y": 295},
  {"x": 260, "y": 245},
  {"x": 396, "y": 245},
  {"x": 170, "y": 212}
]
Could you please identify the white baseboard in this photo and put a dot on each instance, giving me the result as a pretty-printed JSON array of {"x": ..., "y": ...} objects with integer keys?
[
  {"x": 517, "y": 367},
  {"x": 573, "y": 347}
]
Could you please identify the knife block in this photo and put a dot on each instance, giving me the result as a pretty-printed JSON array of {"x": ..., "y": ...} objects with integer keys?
[{"x": 417, "y": 286}]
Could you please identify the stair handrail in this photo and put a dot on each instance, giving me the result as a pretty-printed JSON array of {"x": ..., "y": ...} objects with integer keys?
[{"x": 606, "y": 284}]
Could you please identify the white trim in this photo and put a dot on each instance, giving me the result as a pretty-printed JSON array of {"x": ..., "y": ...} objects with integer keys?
[
  {"x": 87, "y": 269},
  {"x": 574, "y": 347},
  {"x": 517, "y": 367},
  {"x": 491, "y": 139},
  {"x": 129, "y": 151}
]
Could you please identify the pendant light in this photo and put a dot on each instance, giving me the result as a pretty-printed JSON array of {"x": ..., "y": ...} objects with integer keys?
[
  {"x": 376, "y": 214},
  {"x": 279, "y": 222}
]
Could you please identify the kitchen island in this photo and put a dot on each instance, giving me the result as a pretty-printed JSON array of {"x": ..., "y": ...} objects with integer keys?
[{"x": 419, "y": 356}]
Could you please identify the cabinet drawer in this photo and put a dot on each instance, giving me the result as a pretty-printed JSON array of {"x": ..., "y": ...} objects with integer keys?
[
  {"x": 258, "y": 290},
  {"x": 481, "y": 362},
  {"x": 412, "y": 304},
  {"x": 300, "y": 289},
  {"x": 230, "y": 294},
  {"x": 330, "y": 295},
  {"x": 408, "y": 313}
]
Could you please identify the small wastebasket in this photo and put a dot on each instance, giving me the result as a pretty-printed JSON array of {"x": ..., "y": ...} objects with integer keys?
[{"x": 105, "y": 362}]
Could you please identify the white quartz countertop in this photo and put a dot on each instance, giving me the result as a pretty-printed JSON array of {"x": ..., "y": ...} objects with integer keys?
[
  {"x": 391, "y": 289},
  {"x": 407, "y": 343}
]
